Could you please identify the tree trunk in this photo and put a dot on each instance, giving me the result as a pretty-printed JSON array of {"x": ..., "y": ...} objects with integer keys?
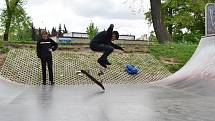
[
  {"x": 5, "y": 36},
  {"x": 11, "y": 5},
  {"x": 7, "y": 28},
  {"x": 159, "y": 27},
  {"x": 170, "y": 26}
]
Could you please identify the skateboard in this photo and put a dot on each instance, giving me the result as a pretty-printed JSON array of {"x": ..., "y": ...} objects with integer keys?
[{"x": 92, "y": 78}]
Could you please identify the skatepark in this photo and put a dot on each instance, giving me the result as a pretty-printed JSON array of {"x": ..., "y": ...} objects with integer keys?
[
  {"x": 154, "y": 94},
  {"x": 186, "y": 95}
]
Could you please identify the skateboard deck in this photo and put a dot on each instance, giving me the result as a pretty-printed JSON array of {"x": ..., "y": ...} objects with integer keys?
[{"x": 93, "y": 79}]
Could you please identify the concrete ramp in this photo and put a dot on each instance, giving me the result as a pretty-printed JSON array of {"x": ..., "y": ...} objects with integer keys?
[
  {"x": 198, "y": 74},
  {"x": 120, "y": 102},
  {"x": 9, "y": 90}
]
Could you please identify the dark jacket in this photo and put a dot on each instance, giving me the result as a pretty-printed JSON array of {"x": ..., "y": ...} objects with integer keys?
[
  {"x": 104, "y": 37},
  {"x": 44, "y": 46}
]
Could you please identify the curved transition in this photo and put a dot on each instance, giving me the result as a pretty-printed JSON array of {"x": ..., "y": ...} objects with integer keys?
[
  {"x": 198, "y": 74},
  {"x": 9, "y": 90}
]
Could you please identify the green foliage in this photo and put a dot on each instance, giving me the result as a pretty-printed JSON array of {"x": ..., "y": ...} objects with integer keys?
[
  {"x": 60, "y": 33},
  {"x": 173, "y": 67},
  {"x": 91, "y": 30},
  {"x": 2, "y": 48},
  {"x": 148, "y": 17},
  {"x": 1, "y": 33},
  {"x": 20, "y": 27},
  {"x": 54, "y": 32},
  {"x": 152, "y": 37},
  {"x": 192, "y": 38},
  {"x": 1, "y": 44},
  {"x": 184, "y": 19},
  {"x": 22, "y": 42},
  {"x": 65, "y": 30}
]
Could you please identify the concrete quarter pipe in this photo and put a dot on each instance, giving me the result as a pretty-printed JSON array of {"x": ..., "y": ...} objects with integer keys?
[{"x": 198, "y": 74}]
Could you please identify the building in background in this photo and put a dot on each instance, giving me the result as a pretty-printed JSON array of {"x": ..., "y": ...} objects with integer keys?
[
  {"x": 76, "y": 35},
  {"x": 144, "y": 37},
  {"x": 126, "y": 37},
  {"x": 84, "y": 35}
]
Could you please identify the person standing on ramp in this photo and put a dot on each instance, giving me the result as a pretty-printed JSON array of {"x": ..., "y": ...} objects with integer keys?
[
  {"x": 102, "y": 43},
  {"x": 45, "y": 46}
]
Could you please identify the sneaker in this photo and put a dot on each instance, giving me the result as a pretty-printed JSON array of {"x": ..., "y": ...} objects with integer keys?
[
  {"x": 44, "y": 83},
  {"x": 107, "y": 62},
  {"x": 52, "y": 83},
  {"x": 102, "y": 63}
]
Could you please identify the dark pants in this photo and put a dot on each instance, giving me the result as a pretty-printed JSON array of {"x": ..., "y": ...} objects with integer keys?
[
  {"x": 106, "y": 49},
  {"x": 49, "y": 62}
]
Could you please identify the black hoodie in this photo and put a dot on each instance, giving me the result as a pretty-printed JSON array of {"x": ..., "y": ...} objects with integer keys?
[
  {"x": 44, "y": 47},
  {"x": 104, "y": 37}
]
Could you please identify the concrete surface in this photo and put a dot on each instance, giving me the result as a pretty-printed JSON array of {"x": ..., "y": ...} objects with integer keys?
[{"x": 187, "y": 95}]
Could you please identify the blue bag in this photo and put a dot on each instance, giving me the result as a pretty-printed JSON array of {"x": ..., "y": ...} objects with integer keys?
[{"x": 131, "y": 69}]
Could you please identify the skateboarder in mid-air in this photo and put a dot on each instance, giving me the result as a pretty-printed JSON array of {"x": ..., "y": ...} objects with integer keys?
[{"x": 102, "y": 43}]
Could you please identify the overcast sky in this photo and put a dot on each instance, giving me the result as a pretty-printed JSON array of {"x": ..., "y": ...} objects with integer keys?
[{"x": 126, "y": 15}]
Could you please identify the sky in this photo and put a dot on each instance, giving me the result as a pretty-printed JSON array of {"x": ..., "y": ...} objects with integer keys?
[{"x": 126, "y": 15}]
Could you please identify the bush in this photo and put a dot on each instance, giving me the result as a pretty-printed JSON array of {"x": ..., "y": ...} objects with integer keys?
[
  {"x": 187, "y": 38},
  {"x": 91, "y": 30}
]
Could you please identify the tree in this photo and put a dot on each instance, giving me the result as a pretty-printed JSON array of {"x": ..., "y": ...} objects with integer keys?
[
  {"x": 91, "y": 30},
  {"x": 158, "y": 24},
  {"x": 184, "y": 19},
  {"x": 33, "y": 32},
  {"x": 39, "y": 33},
  {"x": 156, "y": 17},
  {"x": 54, "y": 32},
  {"x": 10, "y": 10},
  {"x": 65, "y": 30},
  {"x": 16, "y": 23},
  {"x": 60, "y": 34},
  {"x": 49, "y": 34},
  {"x": 20, "y": 28}
]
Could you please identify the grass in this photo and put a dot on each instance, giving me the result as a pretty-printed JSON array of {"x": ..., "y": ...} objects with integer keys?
[
  {"x": 2, "y": 48},
  {"x": 180, "y": 53},
  {"x": 21, "y": 42}
]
